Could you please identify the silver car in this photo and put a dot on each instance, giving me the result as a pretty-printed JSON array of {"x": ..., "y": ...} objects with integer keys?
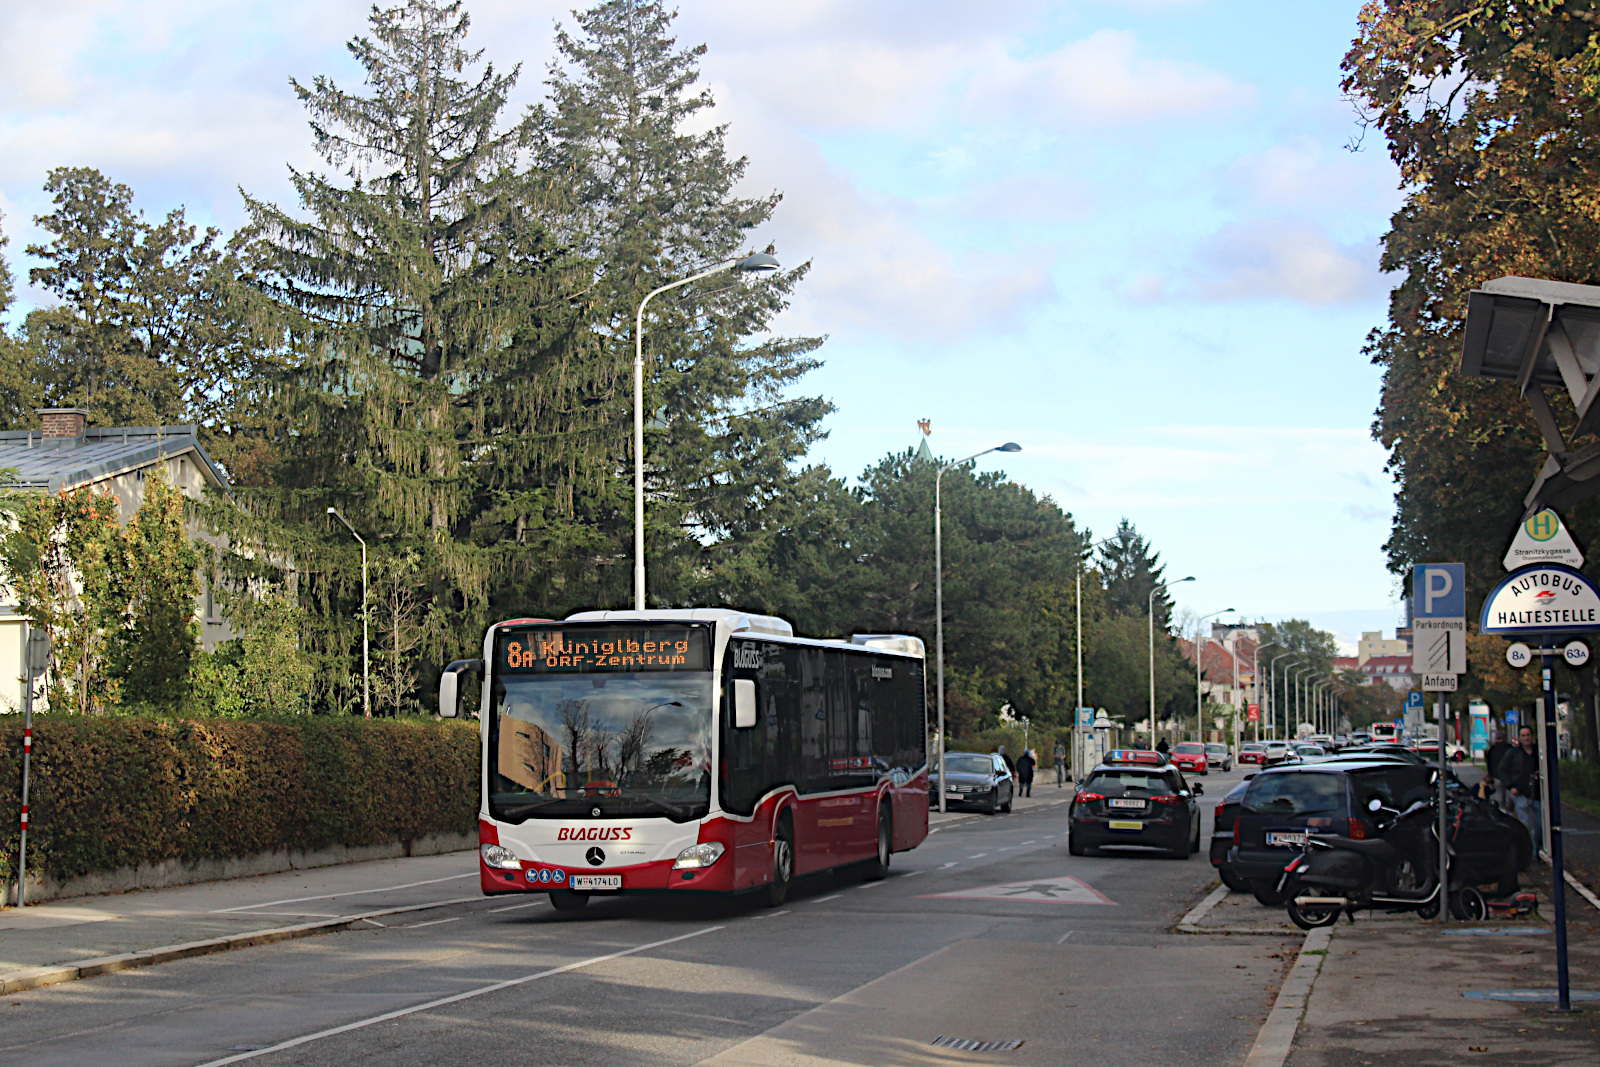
[{"x": 1219, "y": 755}]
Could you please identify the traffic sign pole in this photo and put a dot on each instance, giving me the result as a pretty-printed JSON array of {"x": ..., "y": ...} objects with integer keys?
[{"x": 1558, "y": 891}]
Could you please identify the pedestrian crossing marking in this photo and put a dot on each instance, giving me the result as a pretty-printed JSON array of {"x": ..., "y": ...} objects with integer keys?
[{"x": 1039, "y": 891}]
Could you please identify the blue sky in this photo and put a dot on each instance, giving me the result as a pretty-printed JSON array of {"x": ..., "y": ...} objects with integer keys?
[{"x": 1128, "y": 235}]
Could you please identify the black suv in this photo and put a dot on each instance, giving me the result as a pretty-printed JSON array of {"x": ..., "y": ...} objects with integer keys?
[
  {"x": 1135, "y": 804},
  {"x": 1283, "y": 804}
]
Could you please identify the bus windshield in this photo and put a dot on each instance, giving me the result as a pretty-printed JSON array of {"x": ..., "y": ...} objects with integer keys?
[{"x": 602, "y": 744}]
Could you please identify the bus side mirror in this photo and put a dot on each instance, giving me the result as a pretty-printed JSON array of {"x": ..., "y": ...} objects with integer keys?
[
  {"x": 450, "y": 684},
  {"x": 744, "y": 703}
]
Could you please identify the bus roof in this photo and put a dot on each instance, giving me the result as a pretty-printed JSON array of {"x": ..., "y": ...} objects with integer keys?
[{"x": 749, "y": 623}]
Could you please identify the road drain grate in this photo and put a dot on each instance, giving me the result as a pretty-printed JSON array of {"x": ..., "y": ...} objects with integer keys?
[{"x": 968, "y": 1044}]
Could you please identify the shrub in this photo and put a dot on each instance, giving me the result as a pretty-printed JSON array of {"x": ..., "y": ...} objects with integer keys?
[{"x": 109, "y": 793}]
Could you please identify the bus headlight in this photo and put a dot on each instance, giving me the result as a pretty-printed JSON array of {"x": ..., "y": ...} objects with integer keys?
[
  {"x": 499, "y": 856},
  {"x": 698, "y": 856}
]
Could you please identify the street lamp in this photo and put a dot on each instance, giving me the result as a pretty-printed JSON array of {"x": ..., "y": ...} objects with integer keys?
[
  {"x": 1295, "y": 673},
  {"x": 366, "y": 672},
  {"x": 760, "y": 263},
  {"x": 1150, "y": 612},
  {"x": 1272, "y": 689},
  {"x": 1199, "y": 709},
  {"x": 938, "y": 587},
  {"x": 1255, "y": 683}
]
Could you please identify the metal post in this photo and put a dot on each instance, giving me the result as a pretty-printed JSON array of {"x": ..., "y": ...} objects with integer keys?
[
  {"x": 938, "y": 614},
  {"x": 1552, "y": 815},
  {"x": 1077, "y": 729},
  {"x": 1444, "y": 822},
  {"x": 1541, "y": 720},
  {"x": 27, "y": 761}
]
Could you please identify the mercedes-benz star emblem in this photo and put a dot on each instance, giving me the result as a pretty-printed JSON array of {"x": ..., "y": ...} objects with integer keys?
[
  {"x": 595, "y": 812},
  {"x": 595, "y": 856}
]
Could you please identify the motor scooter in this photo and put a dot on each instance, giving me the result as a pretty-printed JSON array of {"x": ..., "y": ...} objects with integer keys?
[{"x": 1396, "y": 872}]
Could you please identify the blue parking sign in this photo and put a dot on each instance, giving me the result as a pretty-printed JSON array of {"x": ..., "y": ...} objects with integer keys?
[
  {"x": 1414, "y": 700},
  {"x": 1439, "y": 591}
]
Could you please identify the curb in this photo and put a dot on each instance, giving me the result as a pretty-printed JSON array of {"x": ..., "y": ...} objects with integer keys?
[
  {"x": 37, "y": 977},
  {"x": 1276, "y": 1038},
  {"x": 1582, "y": 889},
  {"x": 1190, "y": 923}
]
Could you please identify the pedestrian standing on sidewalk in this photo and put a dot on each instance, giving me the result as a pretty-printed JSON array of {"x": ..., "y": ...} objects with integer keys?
[
  {"x": 1161, "y": 746},
  {"x": 1491, "y": 769},
  {"x": 1060, "y": 756},
  {"x": 1519, "y": 767},
  {"x": 1025, "y": 765}
]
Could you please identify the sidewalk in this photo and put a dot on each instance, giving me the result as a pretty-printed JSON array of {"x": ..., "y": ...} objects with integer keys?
[
  {"x": 1404, "y": 992},
  {"x": 61, "y": 941}
]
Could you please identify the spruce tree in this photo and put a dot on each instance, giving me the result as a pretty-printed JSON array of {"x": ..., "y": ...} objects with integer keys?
[
  {"x": 652, "y": 201},
  {"x": 432, "y": 322},
  {"x": 1131, "y": 571}
]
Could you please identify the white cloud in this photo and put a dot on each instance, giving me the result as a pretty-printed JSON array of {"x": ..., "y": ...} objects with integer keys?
[
  {"x": 1307, "y": 175},
  {"x": 1292, "y": 260},
  {"x": 1103, "y": 78}
]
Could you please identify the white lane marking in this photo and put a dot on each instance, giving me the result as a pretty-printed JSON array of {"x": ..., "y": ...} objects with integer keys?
[
  {"x": 869, "y": 885},
  {"x": 947, "y": 866},
  {"x": 1035, "y": 841},
  {"x": 376, "y": 923},
  {"x": 1062, "y": 940},
  {"x": 977, "y": 856},
  {"x": 824, "y": 900},
  {"x": 913, "y": 874},
  {"x": 293, "y": 914},
  {"x": 774, "y": 914},
  {"x": 351, "y": 893},
  {"x": 516, "y": 907},
  {"x": 494, "y": 988},
  {"x": 432, "y": 922}
]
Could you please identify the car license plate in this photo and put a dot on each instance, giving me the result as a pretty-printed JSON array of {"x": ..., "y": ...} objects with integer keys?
[
  {"x": 1137, "y": 804},
  {"x": 1283, "y": 837},
  {"x": 595, "y": 881},
  {"x": 953, "y": 796},
  {"x": 1125, "y": 824}
]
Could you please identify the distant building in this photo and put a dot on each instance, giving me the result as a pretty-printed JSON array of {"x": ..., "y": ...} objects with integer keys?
[
  {"x": 1373, "y": 643},
  {"x": 1218, "y": 662},
  {"x": 66, "y": 454}
]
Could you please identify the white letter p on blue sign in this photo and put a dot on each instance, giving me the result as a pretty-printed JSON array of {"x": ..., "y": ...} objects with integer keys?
[{"x": 1439, "y": 590}]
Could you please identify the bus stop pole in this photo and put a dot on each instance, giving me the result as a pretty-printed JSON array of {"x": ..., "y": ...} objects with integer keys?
[{"x": 1558, "y": 884}]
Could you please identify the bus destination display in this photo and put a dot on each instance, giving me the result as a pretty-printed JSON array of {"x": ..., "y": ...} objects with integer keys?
[{"x": 585, "y": 649}]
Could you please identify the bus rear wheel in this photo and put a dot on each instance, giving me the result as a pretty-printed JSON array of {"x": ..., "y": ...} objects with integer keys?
[{"x": 567, "y": 900}]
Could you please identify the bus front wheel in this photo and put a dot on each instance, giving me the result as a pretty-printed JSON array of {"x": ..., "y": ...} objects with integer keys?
[
  {"x": 567, "y": 900},
  {"x": 878, "y": 865},
  {"x": 782, "y": 864}
]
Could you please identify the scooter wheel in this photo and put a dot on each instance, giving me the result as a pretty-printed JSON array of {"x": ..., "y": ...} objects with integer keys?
[
  {"x": 1468, "y": 905},
  {"x": 1311, "y": 916}
]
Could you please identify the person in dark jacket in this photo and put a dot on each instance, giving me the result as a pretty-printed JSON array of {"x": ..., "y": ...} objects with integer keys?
[
  {"x": 1060, "y": 757},
  {"x": 1025, "y": 764},
  {"x": 1000, "y": 750},
  {"x": 1162, "y": 746},
  {"x": 1491, "y": 762},
  {"x": 1519, "y": 769}
]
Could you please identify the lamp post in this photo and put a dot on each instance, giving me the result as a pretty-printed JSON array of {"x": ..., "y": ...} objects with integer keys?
[
  {"x": 1255, "y": 683},
  {"x": 1272, "y": 686},
  {"x": 366, "y": 673},
  {"x": 1296, "y": 676},
  {"x": 1150, "y": 615},
  {"x": 759, "y": 263},
  {"x": 1199, "y": 707},
  {"x": 1320, "y": 705},
  {"x": 938, "y": 587}
]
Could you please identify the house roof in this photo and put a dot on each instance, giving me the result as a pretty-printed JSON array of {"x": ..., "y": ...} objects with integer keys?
[{"x": 54, "y": 463}]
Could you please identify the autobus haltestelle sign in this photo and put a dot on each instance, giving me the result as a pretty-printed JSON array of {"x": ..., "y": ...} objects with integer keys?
[{"x": 1543, "y": 598}]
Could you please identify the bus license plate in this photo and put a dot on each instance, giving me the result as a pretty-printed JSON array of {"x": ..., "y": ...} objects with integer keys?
[
  {"x": 595, "y": 881},
  {"x": 1125, "y": 824},
  {"x": 1280, "y": 837}
]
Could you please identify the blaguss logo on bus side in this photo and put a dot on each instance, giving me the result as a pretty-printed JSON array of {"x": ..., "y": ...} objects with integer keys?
[{"x": 747, "y": 657}]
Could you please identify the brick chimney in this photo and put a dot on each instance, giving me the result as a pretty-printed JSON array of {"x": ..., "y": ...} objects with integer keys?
[{"x": 63, "y": 422}]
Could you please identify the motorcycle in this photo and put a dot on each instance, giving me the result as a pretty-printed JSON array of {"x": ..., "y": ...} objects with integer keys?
[{"x": 1395, "y": 872}]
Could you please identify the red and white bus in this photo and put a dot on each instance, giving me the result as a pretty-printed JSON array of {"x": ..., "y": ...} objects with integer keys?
[{"x": 701, "y": 749}]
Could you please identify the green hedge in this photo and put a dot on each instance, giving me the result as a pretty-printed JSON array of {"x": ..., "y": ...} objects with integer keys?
[{"x": 109, "y": 793}]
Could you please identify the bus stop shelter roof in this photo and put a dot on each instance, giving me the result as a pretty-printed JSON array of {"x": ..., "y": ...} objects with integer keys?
[{"x": 1544, "y": 335}]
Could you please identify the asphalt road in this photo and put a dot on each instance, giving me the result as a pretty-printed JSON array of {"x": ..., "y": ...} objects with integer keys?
[{"x": 1089, "y": 967}]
